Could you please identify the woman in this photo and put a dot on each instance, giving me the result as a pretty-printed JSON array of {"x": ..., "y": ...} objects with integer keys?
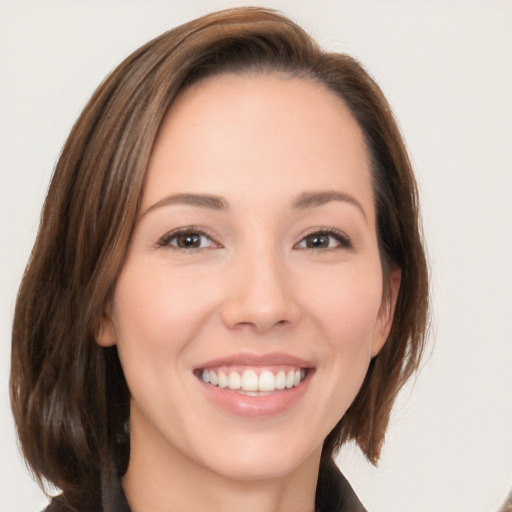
[{"x": 228, "y": 282}]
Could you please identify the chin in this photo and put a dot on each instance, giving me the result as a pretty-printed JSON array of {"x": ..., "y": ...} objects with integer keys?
[{"x": 253, "y": 460}]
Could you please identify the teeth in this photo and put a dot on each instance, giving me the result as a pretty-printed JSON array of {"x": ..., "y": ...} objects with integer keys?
[
  {"x": 223, "y": 380},
  {"x": 267, "y": 381},
  {"x": 234, "y": 380},
  {"x": 281, "y": 380},
  {"x": 214, "y": 379},
  {"x": 251, "y": 383},
  {"x": 290, "y": 377}
]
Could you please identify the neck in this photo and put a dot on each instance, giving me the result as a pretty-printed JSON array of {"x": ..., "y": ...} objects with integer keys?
[{"x": 162, "y": 479}]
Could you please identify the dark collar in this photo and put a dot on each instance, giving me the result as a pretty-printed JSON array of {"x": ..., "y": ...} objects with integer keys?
[{"x": 333, "y": 491}]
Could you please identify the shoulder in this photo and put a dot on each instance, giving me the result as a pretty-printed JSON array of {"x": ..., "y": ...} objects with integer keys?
[{"x": 334, "y": 493}]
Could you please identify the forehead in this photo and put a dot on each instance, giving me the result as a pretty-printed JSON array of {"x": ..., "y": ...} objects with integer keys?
[{"x": 257, "y": 131}]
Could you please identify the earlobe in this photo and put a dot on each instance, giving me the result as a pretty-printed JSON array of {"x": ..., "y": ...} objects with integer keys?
[
  {"x": 387, "y": 312},
  {"x": 106, "y": 335}
]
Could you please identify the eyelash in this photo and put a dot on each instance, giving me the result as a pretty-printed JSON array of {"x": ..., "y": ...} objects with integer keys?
[
  {"x": 341, "y": 238},
  {"x": 343, "y": 241},
  {"x": 166, "y": 240}
]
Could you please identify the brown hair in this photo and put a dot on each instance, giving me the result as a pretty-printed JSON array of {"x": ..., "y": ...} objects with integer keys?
[{"x": 69, "y": 396}]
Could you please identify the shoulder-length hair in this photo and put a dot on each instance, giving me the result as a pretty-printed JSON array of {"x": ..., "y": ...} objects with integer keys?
[{"x": 69, "y": 396}]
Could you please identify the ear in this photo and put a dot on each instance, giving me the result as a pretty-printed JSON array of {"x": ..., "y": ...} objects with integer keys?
[
  {"x": 386, "y": 312},
  {"x": 106, "y": 336}
]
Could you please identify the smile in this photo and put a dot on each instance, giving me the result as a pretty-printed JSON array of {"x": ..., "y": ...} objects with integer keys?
[{"x": 253, "y": 381}]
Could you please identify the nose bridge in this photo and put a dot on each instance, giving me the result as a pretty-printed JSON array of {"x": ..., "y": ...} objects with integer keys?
[{"x": 261, "y": 293}]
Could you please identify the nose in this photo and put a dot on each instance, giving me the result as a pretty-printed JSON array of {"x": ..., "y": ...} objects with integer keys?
[{"x": 260, "y": 294}]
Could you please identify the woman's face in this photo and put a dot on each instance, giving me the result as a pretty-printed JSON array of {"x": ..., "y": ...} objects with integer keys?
[{"x": 254, "y": 263}]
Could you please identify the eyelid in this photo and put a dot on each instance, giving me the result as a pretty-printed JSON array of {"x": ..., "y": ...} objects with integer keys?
[
  {"x": 165, "y": 240},
  {"x": 343, "y": 239}
]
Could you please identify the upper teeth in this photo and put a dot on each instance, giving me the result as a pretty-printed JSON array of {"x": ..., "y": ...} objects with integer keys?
[{"x": 249, "y": 380}]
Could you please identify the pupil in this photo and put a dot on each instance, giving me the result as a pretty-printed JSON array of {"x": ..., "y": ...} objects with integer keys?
[
  {"x": 318, "y": 241},
  {"x": 189, "y": 240}
]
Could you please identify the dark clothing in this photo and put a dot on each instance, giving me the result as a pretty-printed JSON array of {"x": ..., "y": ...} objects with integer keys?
[{"x": 333, "y": 494}]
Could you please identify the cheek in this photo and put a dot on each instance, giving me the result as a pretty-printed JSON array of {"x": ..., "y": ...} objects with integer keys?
[
  {"x": 348, "y": 304},
  {"x": 347, "y": 314},
  {"x": 342, "y": 309},
  {"x": 156, "y": 313}
]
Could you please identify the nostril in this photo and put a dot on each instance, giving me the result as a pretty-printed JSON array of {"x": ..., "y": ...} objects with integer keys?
[
  {"x": 259, "y": 308},
  {"x": 260, "y": 325},
  {"x": 245, "y": 326}
]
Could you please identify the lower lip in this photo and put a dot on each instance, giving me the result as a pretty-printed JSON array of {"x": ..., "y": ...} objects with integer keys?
[{"x": 256, "y": 406}]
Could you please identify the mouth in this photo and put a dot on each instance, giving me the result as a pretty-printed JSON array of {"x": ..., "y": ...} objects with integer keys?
[
  {"x": 255, "y": 385},
  {"x": 254, "y": 380}
]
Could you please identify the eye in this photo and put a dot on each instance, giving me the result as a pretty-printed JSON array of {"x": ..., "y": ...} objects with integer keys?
[
  {"x": 325, "y": 239},
  {"x": 187, "y": 238}
]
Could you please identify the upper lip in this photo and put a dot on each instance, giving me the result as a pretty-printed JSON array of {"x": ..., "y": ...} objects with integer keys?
[{"x": 246, "y": 359}]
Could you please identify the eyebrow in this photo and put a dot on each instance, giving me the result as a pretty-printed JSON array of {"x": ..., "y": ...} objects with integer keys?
[
  {"x": 200, "y": 200},
  {"x": 304, "y": 201},
  {"x": 314, "y": 199}
]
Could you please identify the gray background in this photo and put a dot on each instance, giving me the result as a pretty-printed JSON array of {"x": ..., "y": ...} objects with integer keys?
[{"x": 446, "y": 68}]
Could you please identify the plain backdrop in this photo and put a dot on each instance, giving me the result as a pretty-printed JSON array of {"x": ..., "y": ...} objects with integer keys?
[{"x": 446, "y": 67}]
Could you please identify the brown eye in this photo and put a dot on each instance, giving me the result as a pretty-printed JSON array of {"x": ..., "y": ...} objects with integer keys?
[
  {"x": 187, "y": 239},
  {"x": 317, "y": 241},
  {"x": 324, "y": 240}
]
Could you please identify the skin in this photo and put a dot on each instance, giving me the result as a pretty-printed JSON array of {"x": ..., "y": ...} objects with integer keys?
[{"x": 253, "y": 286}]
